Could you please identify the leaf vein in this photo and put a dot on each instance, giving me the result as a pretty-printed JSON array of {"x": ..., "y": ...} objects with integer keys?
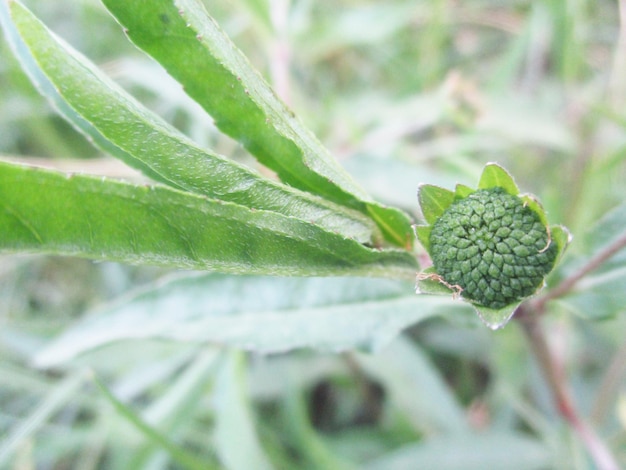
[{"x": 23, "y": 222}]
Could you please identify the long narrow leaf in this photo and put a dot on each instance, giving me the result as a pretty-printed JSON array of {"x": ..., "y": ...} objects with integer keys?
[
  {"x": 190, "y": 45},
  {"x": 55, "y": 399},
  {"x": 416, "y": 387},
  {"x": 601, "y": 294},
  {"x": 180, "y": 455},
  {"x": 259, "y": 314},
  {"x": 175, "y": 408},
  {"x": 236, "y": 439},
  {"x": 306, "y": 440},
  {"x": 122, "y": 126},
  {"x": 472, "y": 451},
  {"x": 50, "y": 212}
]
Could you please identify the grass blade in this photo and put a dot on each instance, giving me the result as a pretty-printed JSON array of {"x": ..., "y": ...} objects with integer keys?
[{"x": 180, "y": 455}]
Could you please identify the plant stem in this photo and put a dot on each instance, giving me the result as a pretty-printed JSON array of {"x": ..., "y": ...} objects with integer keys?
[
  {"x": 529, "y": 315},
  {"x": 568, "y": 283},
  {"x": 555, "y": 378}
]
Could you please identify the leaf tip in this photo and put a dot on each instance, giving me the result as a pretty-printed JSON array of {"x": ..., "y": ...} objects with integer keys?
[
  {"x": 496, "y": 319},
  {"x": 494, "y": 175}
]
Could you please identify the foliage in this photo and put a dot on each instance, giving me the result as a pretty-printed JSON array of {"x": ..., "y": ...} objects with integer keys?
[{"x": 207, "y": 370}]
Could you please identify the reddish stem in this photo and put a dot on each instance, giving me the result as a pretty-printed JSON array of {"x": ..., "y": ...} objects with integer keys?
[
  {"x": 555, "y": 379},
  {"x": 568, "y": 283}
]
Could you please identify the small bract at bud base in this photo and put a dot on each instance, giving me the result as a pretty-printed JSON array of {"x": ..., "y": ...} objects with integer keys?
[{"x": 490, "y": 246}]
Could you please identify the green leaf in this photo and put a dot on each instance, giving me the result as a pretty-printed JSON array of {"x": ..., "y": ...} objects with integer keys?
[
  {"x": 180, "y": 455},
  {"x": 599, "y": 296},
  {"x": 260, "y": 314},
  {"x": 416, "y": 387},
  {"x": 119, "y": 124},
  {"x": 558, "y": 234},
  {"x": 49, "y": 212},
  {"x": 605, "y": 232},
  {"x": 190, "y": 45},
  {"x": 433, "y": 201},
  {"x": 21, "y": 434},
  {"x": 237, "y": 443},
  {"x": 601, "y": 293},
  {"x": 533, "y": 204},
  {"x": 469, "y": 451},
  {"x": 423, "y": 235},
  {"x": 178, "y": 403},
  {"x": 562, "y": 237},
  {"x": 461, "y": 191},
  {"x": 194, "y": 50},
  {"x": 220, "y": 78},
  {"x": 495, "y": 176},
  {"x": 428, "y": 282},
  {"x": 394, "y": 224},
  {"x": 496, "y": 318},
  {"x": 303, "y": 437}
]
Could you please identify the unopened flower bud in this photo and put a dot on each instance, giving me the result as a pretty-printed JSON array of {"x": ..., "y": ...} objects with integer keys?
[{"x": 492, "y": 247}]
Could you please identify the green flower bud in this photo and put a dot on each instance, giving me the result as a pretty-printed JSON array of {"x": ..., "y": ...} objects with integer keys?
[{"x": 492, "y": 248}]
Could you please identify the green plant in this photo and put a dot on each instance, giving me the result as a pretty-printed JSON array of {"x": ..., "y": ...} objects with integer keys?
[
  {"x": 171, "y": 355},
  {"x": 491, "y": 246}
]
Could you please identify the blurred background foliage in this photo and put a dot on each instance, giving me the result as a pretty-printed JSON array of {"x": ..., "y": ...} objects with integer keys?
[{"x": 402, "y": 92}]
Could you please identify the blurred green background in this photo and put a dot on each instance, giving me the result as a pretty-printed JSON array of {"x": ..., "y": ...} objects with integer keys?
[{"x": 402, "y": 92}]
